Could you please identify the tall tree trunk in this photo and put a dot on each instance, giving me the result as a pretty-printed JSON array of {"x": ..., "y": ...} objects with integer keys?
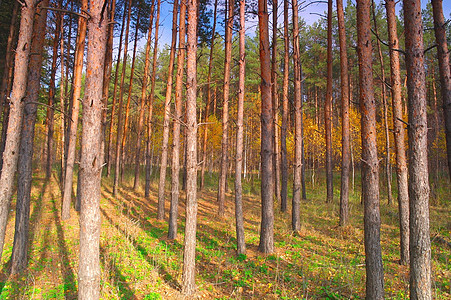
[
  {"x": 121, "y": 97},
  {"x": 149, "y": 155},
  {"x": 6, "y": 79},
  {"x": 143, "y": 98},
  {"x": 62, "y": 105},
  {"x": 189, "y": 254},
  {"x": 385, "y": 110},
  {"x": 399, "y": 133},
  {"x": 420, "y": 240},
  {"x": 167, "y": 112},
  {"x": 345, "y": 148},
  {"x": 207, "y": 106},
  {"x": 328, "y": 108},
  {"x": 275, "y": 101},
  {"x": 11, "y": 152},
  {"x": 445, "y": 74},
  {"x": 267, "y": 127},
  {"x": 113, "y": 105},
  {"x": 91, "y": 163},
  {"x": 296, "y": 203},
  {"x": 241, "y": 245},
  {"x": 225, "y": 108},
  {"x": 78, "y": 70},
  {"x": 370, "y": 163},
  {"x": 283, "y": 133},
  {"x": 19, "y": 255},
  {"x": 175, "y": 180},
  {"x": 50, "y": 110}
]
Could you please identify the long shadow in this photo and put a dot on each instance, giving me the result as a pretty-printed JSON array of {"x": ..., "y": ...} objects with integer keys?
[{"x": 70, "y": 285}]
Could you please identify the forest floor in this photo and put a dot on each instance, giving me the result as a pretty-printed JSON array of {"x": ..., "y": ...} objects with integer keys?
[{"x": 324, "y": 261}]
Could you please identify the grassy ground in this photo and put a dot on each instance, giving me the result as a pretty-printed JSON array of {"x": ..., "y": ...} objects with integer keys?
[{"x": 323, "y": 262}]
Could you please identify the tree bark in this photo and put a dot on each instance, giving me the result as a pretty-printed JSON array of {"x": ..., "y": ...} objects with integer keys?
[
  {"x": 370, "y": 163},
  {"x": 420, "y": 240},
  {"x": 175, "y": 183},
  {"x": 167, "y": 112},
  {"x": 267, "y": 127},
  {"x": 225, "y": 108},
  {"x": 345, "y": 148},
  {"x": 11, "y": 152},
  {"x": 19, "y": 257},
  {"x": 399, "y": 133},
  {"x": 445, "y": 73},
  {"x": 275, "y": 100},
  {"x": 189, "y": 254},
  {"x": 241, "y": 245},
  {"x": 78, "y": 71},
  {"x": 328, "y": 109}
]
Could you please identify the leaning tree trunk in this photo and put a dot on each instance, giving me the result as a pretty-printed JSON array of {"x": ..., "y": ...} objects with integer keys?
[
  {"x": 420, "y": 240},
  {"x": 345, "y": 148},
  {"x": 328, "y": 108},
  {"x": 267, "y": 127},
  {"x": 175, "y": 180},
  {"x": 19, "y": 257},
  {"x": 370, "y": 163},
  {"x": 78, "y": 69},
  {"x": 399, "y": 133},
  {"x": 11, "y": 152},
  {"x": 225, "y": 109},
  {"x": 189, "y": 254},
  {"x": 445, "y": 74},
  {"x": 241, "y": 245},
  {"x": 167, "y": 112}
]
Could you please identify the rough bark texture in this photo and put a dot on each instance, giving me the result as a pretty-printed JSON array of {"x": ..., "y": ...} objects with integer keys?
[
  {"x": 19, "y": 258},
  {"x": 78, "y": 69},
  {"x": 11, "y": 152},
  {"x": 175, "y": 183},
  {"x": 399, "y": 133},
  {"x": 239, "y": 219},
  {"x": 267, "y": 127},
  {"x": 189, "y": 254},
  {"x": 296, "y": 203},
  {"x": 225, "y": 109},
  {"x": 345, "y": 148},
  {"x": 328, "y": 108},
  {"x": 275, "y": 101},
  {"x": 91, "y": 164},
  {"x": 167, "y": 112},
  {"x": 420, "y": 240},
  {"x": 445, "y": 74},
  {"x": 370, "y": 163},
  {"x": 283, "y": 132}
]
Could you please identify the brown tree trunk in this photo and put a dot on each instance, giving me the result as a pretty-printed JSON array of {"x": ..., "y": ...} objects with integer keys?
[
  {"x": 91, "y": 163},
  {"x": 143, "y": 99},
  {"x": 189, "y": 254},
  {"x": 275, "y": 100},
  {"x": 345, "y": 148},
  {"x": 19, "y": 257},
  {"x": 225, "y": 108},
  {"x": 175, "y": 183},
  {"x": 78, "y": 69},
  {"x": 167, "y": 112},
  {"x": 149, "y": 155},
  {"x": 241, "y": 245},
  {"x": 445, "y": 74},
  {"x": 370, "y": 163},
  {"x": 267, "y": 127},
  {"x": 283, "y": 133},
  {"x": 420, "y": 240},
  {"x": 62, "y": 104},
  {"x": 328, "y": 108},
  {"x": 399, "y": 133},
  {"x": 113, "y": 105},
  {"x": 207, "y": 106},
  {"x": 296, "y": 203},
  {"x": 11, "y": 152},
  {"x": 121, "y": 97}
]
